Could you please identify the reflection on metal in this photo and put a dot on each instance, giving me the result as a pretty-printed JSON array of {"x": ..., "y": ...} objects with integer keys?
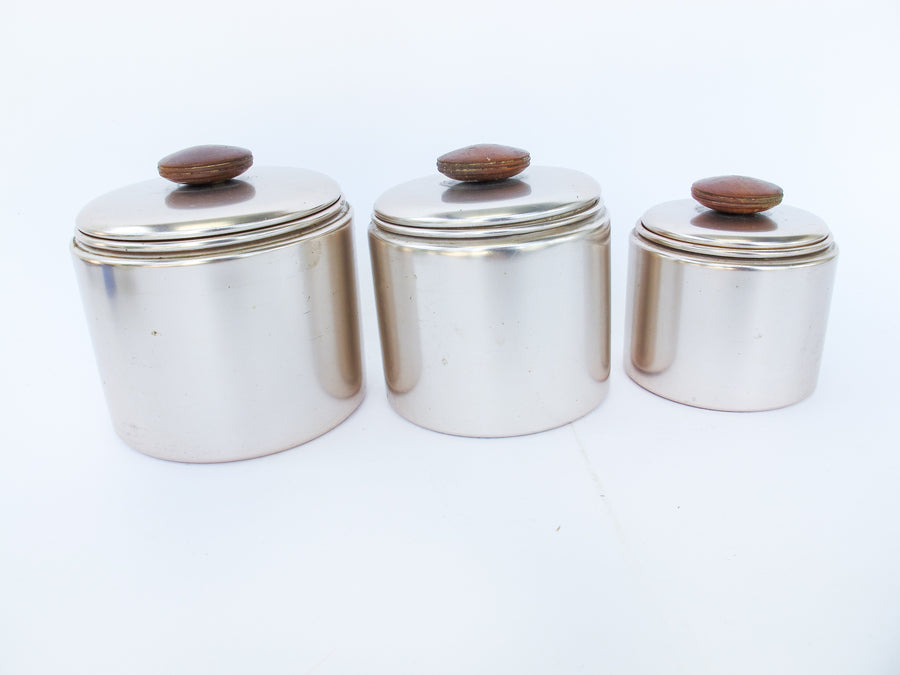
[
  {"x": 783, "y": 232},
  {"x": 729, "y": 313},
  {"x": 655, "y": 295},
  {"x": 217, "y": 195},
  {"x": 493, "y": 191},
  {"x": 398, "y": 317},
  {"x": 493, "y": 300},
  {"x": 159, "y": 211},
  {"x": 228, "y": 352},
  {"x": 329, "y": 274},
  {"x": 494, "y": 336},
  {"x": 596, "y": 300},
  {"x": 437, "y": 203},
  {"x": 753, "y": 224}
]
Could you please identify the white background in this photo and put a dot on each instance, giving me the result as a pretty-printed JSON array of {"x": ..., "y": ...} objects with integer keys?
[{"x": 648, "y": 537}]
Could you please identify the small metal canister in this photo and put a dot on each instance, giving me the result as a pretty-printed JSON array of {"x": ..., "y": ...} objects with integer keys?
[
  {"x": 727, "y": 308},
  {"x": 493, "y": 297},
  {"x": 223, "y": 316}
]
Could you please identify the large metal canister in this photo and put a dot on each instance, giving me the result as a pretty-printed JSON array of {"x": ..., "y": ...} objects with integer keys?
[
  {"x": 728, "y": 311},
  {"x": 223, "y": 316},
  {"x": 493, "y": 300}
]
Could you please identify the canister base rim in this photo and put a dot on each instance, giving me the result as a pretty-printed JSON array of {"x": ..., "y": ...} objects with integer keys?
[
  {"x": 358, "y": 398},
  {"x": 603, "y": 390},
  {"x": 716, "y": 408}
]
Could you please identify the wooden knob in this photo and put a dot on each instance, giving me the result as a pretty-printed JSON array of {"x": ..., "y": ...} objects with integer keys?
[
  {"x": 737, "y": 194},
  {"x": 205, "y": 164},
  {"x": 483, "y": 162}
]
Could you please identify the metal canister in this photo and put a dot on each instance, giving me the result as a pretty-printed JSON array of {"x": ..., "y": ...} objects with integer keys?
[
  {"x": 727, "y": 307},
  {"x": 223, "y": 315},
  {"x": 492, "y": 293}
]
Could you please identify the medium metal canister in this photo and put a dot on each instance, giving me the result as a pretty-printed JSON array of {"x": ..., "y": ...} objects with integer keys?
[
  {"x": 493, "y": 298},
  {"x": 728, "y": 310},
  {"x": 223, "y": 316}
]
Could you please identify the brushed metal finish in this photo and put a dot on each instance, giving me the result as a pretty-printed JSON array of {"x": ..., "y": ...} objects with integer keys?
[
  {"x": 227, "y": 356},
  {"x": 494, "y": 336},
  {"x": 725, "y": 333}
]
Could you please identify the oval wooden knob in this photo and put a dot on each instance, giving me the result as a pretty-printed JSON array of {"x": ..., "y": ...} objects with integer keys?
[
  {"x": 737, "y": 194},
  {"x": 483, "y": 162},
  {"x": 205, "y": 164}
]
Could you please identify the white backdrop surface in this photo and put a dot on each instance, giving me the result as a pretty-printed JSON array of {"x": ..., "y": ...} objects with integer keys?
[{"x": 647, "y": 537}]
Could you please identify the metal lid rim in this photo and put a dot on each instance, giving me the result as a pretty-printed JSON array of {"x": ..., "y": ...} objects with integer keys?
[
  {"x": 212, "y": 244},
  {"x": 724, "y": 251},
  {"x": 594, "y": 210}
]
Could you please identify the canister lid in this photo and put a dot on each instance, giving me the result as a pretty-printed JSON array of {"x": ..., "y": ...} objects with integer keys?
[
  {"x": 157, "y": 213},
  {"x": 780, "y": 231},
  {"x": 539, "y": 197}
]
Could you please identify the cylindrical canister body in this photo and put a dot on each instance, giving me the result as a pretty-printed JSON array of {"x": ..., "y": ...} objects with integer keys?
[
  {"x": 729, "y": 329},
  {"x": 496, "y": 335},
  {"x": 225, "y": 354}
]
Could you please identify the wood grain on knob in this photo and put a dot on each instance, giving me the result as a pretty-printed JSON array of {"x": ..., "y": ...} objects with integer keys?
[
  {"x": 483, "y": 162},
  {"x": 737, "y": 194},
  {"x": 205, "y": 164}
]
